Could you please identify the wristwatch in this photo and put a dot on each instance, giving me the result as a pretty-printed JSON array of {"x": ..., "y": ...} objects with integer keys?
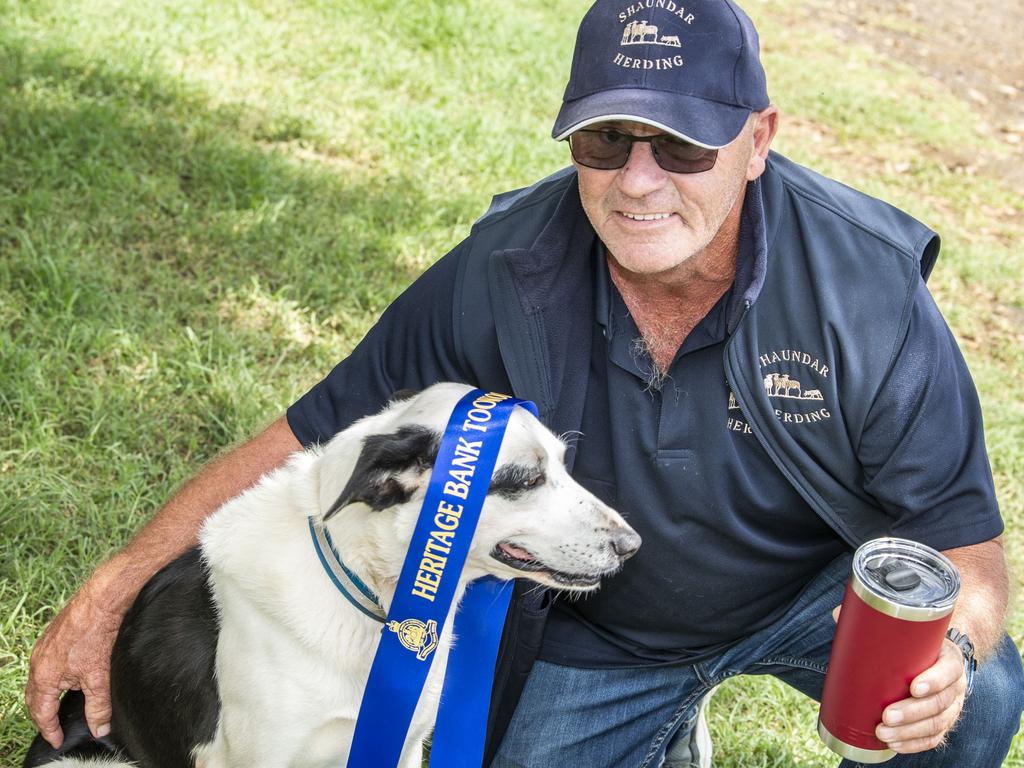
[{"x": 963, "y": 642}]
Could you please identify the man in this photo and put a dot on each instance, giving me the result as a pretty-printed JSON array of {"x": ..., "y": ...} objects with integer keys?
[{"x": 761, "y": 381}]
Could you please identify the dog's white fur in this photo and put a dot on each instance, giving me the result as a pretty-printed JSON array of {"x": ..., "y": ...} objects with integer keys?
[{"x": 293, "y": 656}]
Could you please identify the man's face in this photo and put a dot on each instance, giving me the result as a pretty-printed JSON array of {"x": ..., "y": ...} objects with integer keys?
[{"x": 690, "y": 208}]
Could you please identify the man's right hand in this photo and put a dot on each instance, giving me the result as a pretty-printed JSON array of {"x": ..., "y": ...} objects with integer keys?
[{"x": 74, "y": 654}]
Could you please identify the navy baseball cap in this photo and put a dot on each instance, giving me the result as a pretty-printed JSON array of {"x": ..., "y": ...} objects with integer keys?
[{"x": 689, "y": 68}]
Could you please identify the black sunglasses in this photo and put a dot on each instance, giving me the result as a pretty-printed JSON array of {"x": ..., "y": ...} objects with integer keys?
[{"x": 607, "y": 149}]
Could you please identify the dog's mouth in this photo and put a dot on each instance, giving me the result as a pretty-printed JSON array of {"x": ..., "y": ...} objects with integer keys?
[{"x": 523, "y": 560}]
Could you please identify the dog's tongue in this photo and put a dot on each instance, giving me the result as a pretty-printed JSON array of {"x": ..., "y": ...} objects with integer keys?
[{"x": 516, "y": 552}]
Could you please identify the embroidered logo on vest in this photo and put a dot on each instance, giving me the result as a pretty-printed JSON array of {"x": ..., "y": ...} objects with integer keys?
[
  {"x": 788, "y": 377},
  {"x": 793, "y": 388}
]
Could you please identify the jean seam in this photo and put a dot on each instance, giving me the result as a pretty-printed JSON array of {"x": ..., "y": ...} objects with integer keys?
[
  {"x": 793, "y": 661},
  {"x": 702, "y": 673},
  {"x": 663, "y": 732}
]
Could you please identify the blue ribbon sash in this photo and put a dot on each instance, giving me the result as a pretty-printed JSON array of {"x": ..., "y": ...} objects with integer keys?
[{"x": 426, "y": 587}]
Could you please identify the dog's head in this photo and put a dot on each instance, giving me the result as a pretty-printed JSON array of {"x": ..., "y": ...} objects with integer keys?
[{"x": 537, "y": 522}]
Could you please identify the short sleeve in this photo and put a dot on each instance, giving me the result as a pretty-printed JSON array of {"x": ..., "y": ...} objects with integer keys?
[
  {"x": 923, "y": 444},
  {"x": 410, "y": 347}
]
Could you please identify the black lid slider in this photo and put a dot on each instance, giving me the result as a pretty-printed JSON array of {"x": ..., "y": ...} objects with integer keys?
[{"x": 896, "y": 574}]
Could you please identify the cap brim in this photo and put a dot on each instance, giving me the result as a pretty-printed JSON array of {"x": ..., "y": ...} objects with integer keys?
[{"x": 708, "y": 124}]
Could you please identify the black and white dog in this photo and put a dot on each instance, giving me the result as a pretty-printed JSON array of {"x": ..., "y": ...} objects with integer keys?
[{"x": 243, "y": 653}]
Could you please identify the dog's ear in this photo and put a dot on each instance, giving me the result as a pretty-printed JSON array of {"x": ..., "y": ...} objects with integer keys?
[{"x": 377, "y": 479}]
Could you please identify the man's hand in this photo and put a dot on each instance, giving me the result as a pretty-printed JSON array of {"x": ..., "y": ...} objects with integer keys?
[
  {"x": 74, "y": 654},
  {"x": 937, "y": 696}
]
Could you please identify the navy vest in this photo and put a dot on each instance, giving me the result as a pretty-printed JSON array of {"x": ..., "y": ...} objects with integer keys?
[{"x": 818, "y": 334}]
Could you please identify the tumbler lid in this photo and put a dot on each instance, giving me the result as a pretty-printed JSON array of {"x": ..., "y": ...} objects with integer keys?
[{"x": 905, "y": 579}]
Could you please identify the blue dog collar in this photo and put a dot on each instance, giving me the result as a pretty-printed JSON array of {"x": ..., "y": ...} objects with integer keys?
[{"x": 347, "y": 582}]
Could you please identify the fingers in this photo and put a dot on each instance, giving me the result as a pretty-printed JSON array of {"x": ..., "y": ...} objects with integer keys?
[
  {"x": 42, "y": 693},
  {"x": 43, "y": 704},
  {"x": 937, "y": 697},
  {"x": 947, "y": 671},
  {"x": 97, "y": 705},
  {"x": 916, "y": 745},
  {"x": 923, "y": 720},
  {"x": 73, "y": 653}
]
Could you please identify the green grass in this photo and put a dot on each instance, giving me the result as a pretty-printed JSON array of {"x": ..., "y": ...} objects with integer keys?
[{"x": 203, "y": 206}]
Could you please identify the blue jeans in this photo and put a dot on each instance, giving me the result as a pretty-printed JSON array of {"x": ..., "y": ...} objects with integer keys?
[{"x": 623, "y": 718}]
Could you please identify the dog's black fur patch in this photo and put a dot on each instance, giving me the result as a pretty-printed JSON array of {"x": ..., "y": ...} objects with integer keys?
[
  {"x": 163, "y": 691},
  {"x": 513, "y": 480},
  {"x": 403, "y": 394},
  {"x": 162, "y": 681},
  {"x": 374, "y": 480},
  {"x": 78, "y": 741}
]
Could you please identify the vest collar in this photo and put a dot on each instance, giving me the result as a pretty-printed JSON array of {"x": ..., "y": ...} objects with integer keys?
[
  {"x": 752, "y": 269},
  {"x": 557, "y": 256}
]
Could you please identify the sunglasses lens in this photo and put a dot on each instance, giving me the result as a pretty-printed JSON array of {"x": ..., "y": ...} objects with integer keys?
[
  {"x": 604, "y": 150},
  {"x": 608, "y": 149},
  {"x": 677, "y": 156}
]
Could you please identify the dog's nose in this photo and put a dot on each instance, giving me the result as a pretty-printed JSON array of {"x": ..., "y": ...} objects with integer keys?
[{"x": 626, "y": 544}]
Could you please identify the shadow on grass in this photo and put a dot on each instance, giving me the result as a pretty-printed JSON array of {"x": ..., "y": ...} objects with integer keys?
[
  {"x": 129, "y": 202},
  {"x": 172, "y": 187}
]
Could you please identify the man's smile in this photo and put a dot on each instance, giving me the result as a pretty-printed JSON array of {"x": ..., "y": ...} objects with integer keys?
[{"x": 645, "y": 216}]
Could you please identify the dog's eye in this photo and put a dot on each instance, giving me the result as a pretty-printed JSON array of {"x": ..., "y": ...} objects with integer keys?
[{"x": 512, "y": 480}]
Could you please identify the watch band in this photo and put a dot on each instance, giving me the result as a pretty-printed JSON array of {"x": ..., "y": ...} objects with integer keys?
[{"x": 963, "y": 642}]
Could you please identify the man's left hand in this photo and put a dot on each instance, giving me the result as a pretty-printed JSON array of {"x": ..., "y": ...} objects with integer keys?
[{"x": 936, "y": 698}]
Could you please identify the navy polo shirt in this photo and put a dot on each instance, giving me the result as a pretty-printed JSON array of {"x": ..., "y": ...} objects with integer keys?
[{"x": 728, "y": 543}]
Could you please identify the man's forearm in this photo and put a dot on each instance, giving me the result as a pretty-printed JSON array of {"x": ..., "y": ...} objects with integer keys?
[
  {"x": 984, "y": 594},
  {"x": 175, "y": 528}
]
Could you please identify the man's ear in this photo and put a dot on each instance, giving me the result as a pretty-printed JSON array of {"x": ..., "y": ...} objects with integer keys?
[
  {"x": 766, "y": 125},
  {"x": 388, "y": 468}
]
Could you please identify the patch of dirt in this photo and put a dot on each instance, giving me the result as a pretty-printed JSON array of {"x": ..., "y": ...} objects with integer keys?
[{"x": 974, "y": 49}]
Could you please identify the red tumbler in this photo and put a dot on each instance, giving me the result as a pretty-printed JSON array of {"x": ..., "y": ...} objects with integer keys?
[{"x": 895, "y": 614}]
